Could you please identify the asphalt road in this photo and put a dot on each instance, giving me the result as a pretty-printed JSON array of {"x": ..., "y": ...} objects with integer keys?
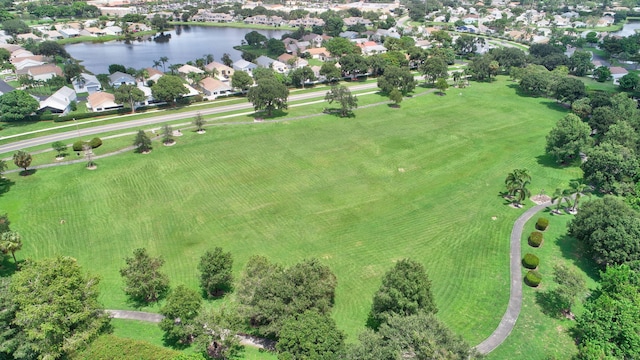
[{"x": 165, "y": 117}]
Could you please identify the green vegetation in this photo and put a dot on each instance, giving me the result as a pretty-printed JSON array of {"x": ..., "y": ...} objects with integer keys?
[
  {"x": 542, "y": 224},
  {"x": 110, "y": 347},
  {"x": 530, "y": 261},
  {"x": 368, "y": 191},
  {"x": 535, "y": 239}
]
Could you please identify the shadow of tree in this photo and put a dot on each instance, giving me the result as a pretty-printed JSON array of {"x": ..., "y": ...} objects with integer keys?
[
  {"x": 262, "y": 114},
  {"x": 337, "y": 112},
  {"x": 573, "y": 250},
  {"x": 550, "y": 303},
  {"x": 5, "y": 185},
  {"x": 28, "y": 172},
  {"x": 8, "y": 268}
]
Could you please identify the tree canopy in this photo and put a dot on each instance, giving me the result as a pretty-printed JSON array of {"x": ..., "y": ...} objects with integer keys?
[
  {"x": 181, "y": 308},
  {"x": 342, "y": 95},
  {"x": 215, "y": 269},
  {"x": 269, "y": 94},
  {"x": 144, "y": 282},
  {"x": 16, "y": 105},
  {"x": 310, "y": 335},
  {"x": 130, "y": 95},
  {"x": 568, "y": 138},
  {"x": 396, "y": 78},
  {"x": 405, "y": 290},
  {"x": 168, "y": 88}
]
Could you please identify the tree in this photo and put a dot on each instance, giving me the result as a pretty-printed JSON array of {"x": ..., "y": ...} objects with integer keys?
[
  {"x": 14, "y": 27},
  {"x": 609, "y": 326},
  {"x": 302, "y": 75},
  {"x": 396, "y": 97},
  {"x": 10, "y": 242},
  {"x": 577, "y": 191},
  {"x": 217, "y": 331},
  {"x": 16, "y": 105},
  {"x": 629, "y": 81},
  {"x": 580, "y": 63},
  {"x": 582, "y": 107},
  {"x": 163, "y": 60},
  {"x": 342, "y": 95},
  {"x": 396, "y": 78},
  {"x": 276, "y": 47},
  {"x": 330, "y": 71},
  {"x": 442, "y": 85},
  {"x": 310, "y": 336},
  {"x": 609, "y": 229},
  {"x": 142, "y": 142},
  {"x": 59, "y": 147},
  {"x": 569, "y": 90},
  {"x": 570, "y": 285},
  {"x": 215, "y": 269},
  {"x": 602, "y": 73},
  {"x": 480, "y": 68},
  {"x": 168, "y": 88},
  {"x": 3, "y": 167},
  {"x": 339, "y": 46},
  {"x": 4, "y": 223},
  {"x": 466, "y": 45},
  {"x": 130, "y": 95},
  {"x": 180, "y": 310},
  {"x": 113, "y": 68},
  {"x": 254, "y": 38},
  {"x": 199, "y": 122},
  {"x": 144, "y": 282},
  {"x": 52, "y": 48},
  {"x": 623, "y": 134},
  {"x": 73, "y": 72},
  {"x": 268, "y": 95},
  {"x": 226, "y": 59},
  {"x": 353, "y": 64},
  {"x": 568, "y": 138},
  {"x": 22, "y": 159},
  {"x": 333, "y": 26},
  {"x": 417, "y": 336},
  {"x": 535, "y": 80},
  {"x": 280, "y": 293},
  {"x": 611, "y": 168},
  {"x": 167, "y": 134},
  {"x": 405, "y": 290},
  {"x": 434, "y": 68},
  {"x": 516, "y": 180},
  {"x": 57, "y": 307},
  {"x": 241, "y": 80}
]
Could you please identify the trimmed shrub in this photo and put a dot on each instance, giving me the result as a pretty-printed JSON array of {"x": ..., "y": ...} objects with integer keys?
[
  {"x": 535, "y": 239},
  {"x": 542, "y": 224},
  {"x": 533, "y": 278},
  {"x": 96, "y": 142},
  {"x": 530, "y": 261},
  {"x": 78, "y": 145}
]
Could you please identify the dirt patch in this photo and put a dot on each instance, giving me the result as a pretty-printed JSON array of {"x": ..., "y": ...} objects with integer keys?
[
  {"x": 59, "y": 158},
  {"x": 494, "y": 218},
  {"x": 92, "y": 167},
  {"x": 171, "y": 143},
  {"x": 541, "y": 199},
  {"x": 401, "y": 170},
  {"x": 201, "y": 131}
]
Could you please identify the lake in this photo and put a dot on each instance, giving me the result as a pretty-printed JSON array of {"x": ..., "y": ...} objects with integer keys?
[
  {"x": 186, "y": 43},
  {"x": 628, "y": 29}
]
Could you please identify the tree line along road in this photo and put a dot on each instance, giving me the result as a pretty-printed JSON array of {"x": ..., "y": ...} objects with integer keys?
[{"x": 72, "y": 134}]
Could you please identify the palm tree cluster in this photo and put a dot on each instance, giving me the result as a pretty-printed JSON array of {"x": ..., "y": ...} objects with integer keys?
[
  {"x": 571, "y": 196},
  {"x": 517, "y": 182}
]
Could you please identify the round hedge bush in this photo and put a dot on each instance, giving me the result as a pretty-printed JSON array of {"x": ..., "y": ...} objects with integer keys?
[
  {"x": 78, "y": 145},
  {"x": 533, "y": 278},
  {"x": 542, "y": 224},
  {"x": 96, "y": 142},
  {"x": 530, "y": 261},
  {"x": 535, "y": 239}
]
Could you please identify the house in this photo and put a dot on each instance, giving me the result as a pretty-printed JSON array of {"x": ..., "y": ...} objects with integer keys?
[
  {"x": 306, "y": 22},
  {"x": 27, "y": 36},
  {"x": 94, "y": 31},
  {"x": 264, "y": 20},
  {"x": 371, "y": 47},
  {"x": 319, "y": 53},
  {"x": 244, "y": 65},
  {"x": 112, "y": 30},
  {"x": 147, "y": 94},
  {"x": 29, "y": 61},
  {"x": 224, "y": 72},
  {"x": 86, "y": 83},
  {"x": 41, "y": 72},
  {"x": 21, "y": 53},
  {"x": 69, "y": 33},
  {"x": 264, "y": 61},
  {"x": 154, "y": 74},
  {"x": 59, "y": 102},
  {"x": 314, "y": 40},
  {"x": 5, "y": 88},
  {"x": 204, "y": 15},
  {"x": 102, "y": 101},
  {"x": 617, "y": 73},
  {"x": 52, "y": 35},
  {"x": 119, "y": 78},
  {"x": 292, "y": 61},
  {"x": 213, "y": 87},
  {"x": 187, "y": 69}
]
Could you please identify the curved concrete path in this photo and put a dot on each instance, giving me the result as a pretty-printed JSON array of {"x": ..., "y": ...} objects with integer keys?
[{"x": 515, "y": 294}]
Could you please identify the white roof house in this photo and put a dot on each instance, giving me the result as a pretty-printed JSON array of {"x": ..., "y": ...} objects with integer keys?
[
  {"x": 59, "y": 102},
  {"x": 244, "y": 65}
]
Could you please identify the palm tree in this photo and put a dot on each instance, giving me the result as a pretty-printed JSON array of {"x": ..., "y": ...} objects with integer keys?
[
  {"x": 142, "y": 74},
  {"x": 11, "y": 242},
  {"x": 578, "y": 190},
  {"x": 561, "y": 195},
  {"x": 156, "y": 64},
  {"x": 208, "y": 58},
  {"x": 515, "y": 179},
  {"x": 521, "y": 192},
  {"x": 163, "y": 60},
  {"x": 174, "y": 68}
]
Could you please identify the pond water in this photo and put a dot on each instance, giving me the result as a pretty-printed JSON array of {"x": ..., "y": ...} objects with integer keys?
[
  {"x": 186, "y": 43},
  {"x": 628, "y": 29}
]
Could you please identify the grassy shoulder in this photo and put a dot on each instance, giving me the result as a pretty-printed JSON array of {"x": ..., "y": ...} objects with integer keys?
[{"x": 541, "y": 333}]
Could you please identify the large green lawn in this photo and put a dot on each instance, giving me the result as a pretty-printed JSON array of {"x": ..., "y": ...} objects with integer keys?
[{"x": 421, "y": 181}]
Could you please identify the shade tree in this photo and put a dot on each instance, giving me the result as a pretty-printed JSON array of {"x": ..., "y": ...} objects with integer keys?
[
  {"x": 180, "y": 310},
  {"x": 130, "y": 95},
  {"x": 310, "y": 335},
  {"x": 16, "y": 105},
  {"x": 396, "y": 78},
  {"x": 568, "y": 138},
  {"x": 571, "y": 284},
  {"x": 241, "y": 80},
  {"x": 434, "y": 68},
  {"x": 169, "y": 88},
  {"x": 10, "y": 242},
  {"x": 22, "y": 159},
  {"x": 611, "y": 168},
  {"x": 60, "y": 148},
  {"x": 269, "y": 95},
  {"x": 215, "y": 269},
  {"x": 142, "y": 142},
  {"x": 342, "y": 95},
  {"x": 143, "y": 278}
]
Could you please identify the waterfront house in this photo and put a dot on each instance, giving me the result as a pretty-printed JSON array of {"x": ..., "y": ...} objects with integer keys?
[
  {"x": 41, "y": 72},
  {"x": 119, "y": 78},
  {"x": 213, "y": 88},
  {"x": 186, "y": 69},
  {"x": 86, "y": 83},
  {"x": 244, "y": 65},
  {"x": 223, "y": 72}
]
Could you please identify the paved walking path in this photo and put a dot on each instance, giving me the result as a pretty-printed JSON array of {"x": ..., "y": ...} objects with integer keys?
[
  {"x": 246, "y": 340},
  {"x": 515, "y": 295}
]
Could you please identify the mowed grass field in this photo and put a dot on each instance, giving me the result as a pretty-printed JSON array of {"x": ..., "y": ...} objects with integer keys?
[{"x": 422, "y": 181}]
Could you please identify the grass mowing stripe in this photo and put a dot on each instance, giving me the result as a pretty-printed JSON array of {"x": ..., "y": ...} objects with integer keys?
[{"x": 360, "y": 193}]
